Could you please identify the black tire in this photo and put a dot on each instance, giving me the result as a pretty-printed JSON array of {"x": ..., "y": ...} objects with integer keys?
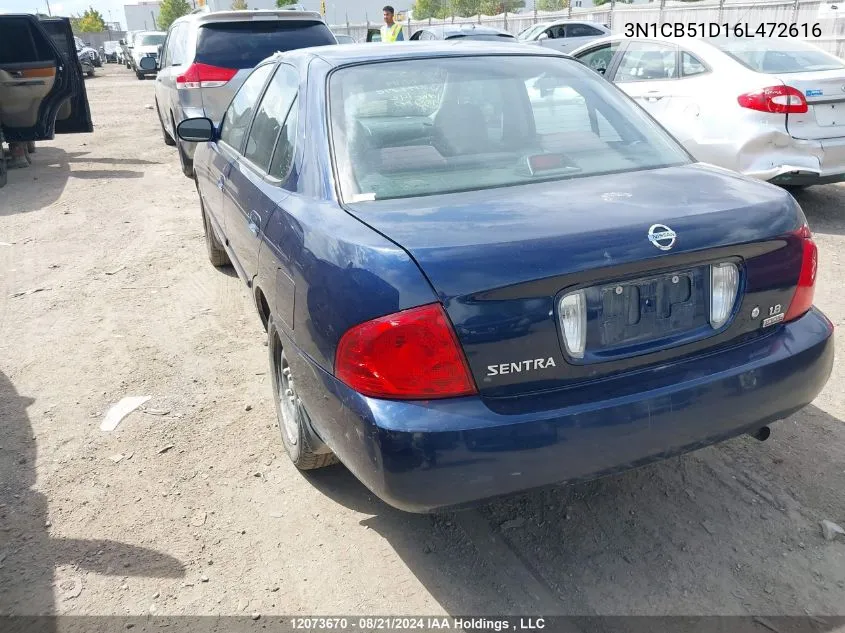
[
  {"x": 289, "y": 407},
  {"x": 139, "y": 75},
  {"x": 168, "y": 140},
  {"x": 216, "y": 253},
  {"x": 186, "y": 163},
  {"x": 30, "y": 147},
  {"x": 4, "y": 173},
  {"x": 90, "y": 73}
]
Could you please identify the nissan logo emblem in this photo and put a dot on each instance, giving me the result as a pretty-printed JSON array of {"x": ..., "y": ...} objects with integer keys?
[{"x": 662, "y": 236}]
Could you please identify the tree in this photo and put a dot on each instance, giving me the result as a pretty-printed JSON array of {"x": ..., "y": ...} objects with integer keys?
[
  {"x": 284, "y": 3},
  {"x": 170, "y": 10},
  {"x": 497, "y": 7},
  {"x": 239, "y": 5},
  {"x": 552, "y": 5},
  {"x": 90, "y": 22}
]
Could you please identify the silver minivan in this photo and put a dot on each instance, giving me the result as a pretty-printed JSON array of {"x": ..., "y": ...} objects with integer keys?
[{"x": 208, "y": 55}]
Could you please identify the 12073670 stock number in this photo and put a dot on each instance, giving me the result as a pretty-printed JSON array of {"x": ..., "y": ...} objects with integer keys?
[
  {"x": 363, "y": 623},
  {"x": 722, "y": 29}
]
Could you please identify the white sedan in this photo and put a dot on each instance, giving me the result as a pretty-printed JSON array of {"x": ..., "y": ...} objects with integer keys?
[{"x": 770, "y": 109}]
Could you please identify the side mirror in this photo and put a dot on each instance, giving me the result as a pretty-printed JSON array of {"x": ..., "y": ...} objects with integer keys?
[
  {"x": 197, "y": 130},
  {"x": 147, "y": 63},
  {"x": 542, "y": 36}
]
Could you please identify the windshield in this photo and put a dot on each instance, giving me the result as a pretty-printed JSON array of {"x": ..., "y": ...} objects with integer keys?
[
  {"x": 422, "y": 127},
  {"x": 531, "y": 31},
  {"x": 773, "y": 56},
  {"x": 151, "y": 40}
]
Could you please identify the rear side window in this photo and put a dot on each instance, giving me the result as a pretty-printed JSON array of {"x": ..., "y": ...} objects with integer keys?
[
  {"x": 646, "y": 61},
  {"x": 244, "y": 44},
  {"x": 271, "y": 116},
  {"x": 771, "y": 56},
  {"x": 237, "y": 117},
  {"x": 22, "y": 43},
  {"x": 581, "y": 30}
]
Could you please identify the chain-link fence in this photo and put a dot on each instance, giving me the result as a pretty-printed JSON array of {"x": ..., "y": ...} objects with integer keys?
[{"x": 829, "y": 17}]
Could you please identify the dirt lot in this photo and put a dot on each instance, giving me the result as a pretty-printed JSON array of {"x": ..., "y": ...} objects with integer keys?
[{"x": 204, "y": 514}]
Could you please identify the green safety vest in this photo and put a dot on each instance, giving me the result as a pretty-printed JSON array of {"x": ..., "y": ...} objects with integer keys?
[{"x": 390, "y": 33}]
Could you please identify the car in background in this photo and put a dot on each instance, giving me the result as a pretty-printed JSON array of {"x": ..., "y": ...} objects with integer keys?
[
  {"x": 344, "y": 39},
  {"x": 771, "y": 109},
  {"x": 208, "y": 55},
  {"x": 146, "y": 44},
  {"x": 88, "y": 57},
  {"x": 110, "y": 51},
  {"x": 126, "y": 45},
  {"x": 563, "y": 35},
  {"x": 462, "y": 32},
  {"x": 43, "y": 89},
  {"x": 471, "y": 291}
]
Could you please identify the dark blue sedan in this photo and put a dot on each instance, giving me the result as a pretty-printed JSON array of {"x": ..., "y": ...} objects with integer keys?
[{"x": 484, "y": 269}]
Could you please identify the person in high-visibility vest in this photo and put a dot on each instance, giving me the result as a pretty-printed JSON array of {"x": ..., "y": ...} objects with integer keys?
[{"x": 391, "y": 31}]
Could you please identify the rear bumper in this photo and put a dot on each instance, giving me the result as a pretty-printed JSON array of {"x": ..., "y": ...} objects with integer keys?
[
  {"x": 421, "y": 456},
  {"x": 803, "y": 162}
]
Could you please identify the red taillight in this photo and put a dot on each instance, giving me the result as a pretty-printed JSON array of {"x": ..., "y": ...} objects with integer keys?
[
  {"x": 802, "y": 300},
  {"x": 409, "y": 355},
  {"x": 204, "y": 76},
  {"x": 775, "y": 99}
]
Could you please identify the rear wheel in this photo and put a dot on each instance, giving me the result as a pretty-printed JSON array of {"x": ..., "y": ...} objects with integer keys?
[
  {"x": 4, "y": 174},
  {"x": 216, "y": 253},
  {"x": 139, "y": 75},
  {"x": 186, "y": 163},
  {"x": 290, "y": 412},
  {"x": 168, "y": 140}
]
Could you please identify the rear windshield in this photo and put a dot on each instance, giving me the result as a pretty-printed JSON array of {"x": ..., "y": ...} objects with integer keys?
[
  {"x": 771, "y": 56},
  {"x": 244, "y": 44},
  {"x": 429, "y": 126},
  {"x": 151, "y": 40}
]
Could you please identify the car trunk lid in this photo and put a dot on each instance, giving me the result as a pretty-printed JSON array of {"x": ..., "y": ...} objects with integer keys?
[
  {"x": 501, "y": 259},
  {"x": 824, "y": 92}
]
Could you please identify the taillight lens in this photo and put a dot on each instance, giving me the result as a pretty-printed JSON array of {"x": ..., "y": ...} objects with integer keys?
[
  {"x": 775, "y": 99},
  {"x": 724, "y": 283},
  {"x": 409, "y": 355},
  {"x": 802, "y": 300},
  {"x": 572, "y": 313},
  {"x": 204, "y": 76}
]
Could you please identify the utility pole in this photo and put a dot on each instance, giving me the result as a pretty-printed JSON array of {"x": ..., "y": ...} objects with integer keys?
[{"x": 49, "y": 12}]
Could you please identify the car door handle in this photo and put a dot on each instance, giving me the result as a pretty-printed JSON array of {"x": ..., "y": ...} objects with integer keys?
[
  {"x": 654, "y": 95},
  {"x": 220, "y": 183},
  {"x": 254, "y": 220}
]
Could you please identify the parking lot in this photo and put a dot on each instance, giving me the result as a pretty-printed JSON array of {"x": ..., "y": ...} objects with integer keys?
[{"x": 192, "y": 507}]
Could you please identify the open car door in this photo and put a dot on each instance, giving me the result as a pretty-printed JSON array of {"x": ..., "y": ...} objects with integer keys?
[{"x": 42, "y": 91}]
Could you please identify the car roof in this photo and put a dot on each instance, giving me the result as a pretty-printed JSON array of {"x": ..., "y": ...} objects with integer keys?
[
  {"x": 692, "y": 44},
  {"x": 363, "y": 53},
  {"x": 201, "y": 16},
  {"x": 572, "y": 21}
]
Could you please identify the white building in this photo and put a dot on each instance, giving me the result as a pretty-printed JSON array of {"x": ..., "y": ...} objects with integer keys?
[{"x": 142, "y": 16}]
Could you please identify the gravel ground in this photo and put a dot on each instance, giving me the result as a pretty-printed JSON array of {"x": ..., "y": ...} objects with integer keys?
[{"x": 204, "y": 514}]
